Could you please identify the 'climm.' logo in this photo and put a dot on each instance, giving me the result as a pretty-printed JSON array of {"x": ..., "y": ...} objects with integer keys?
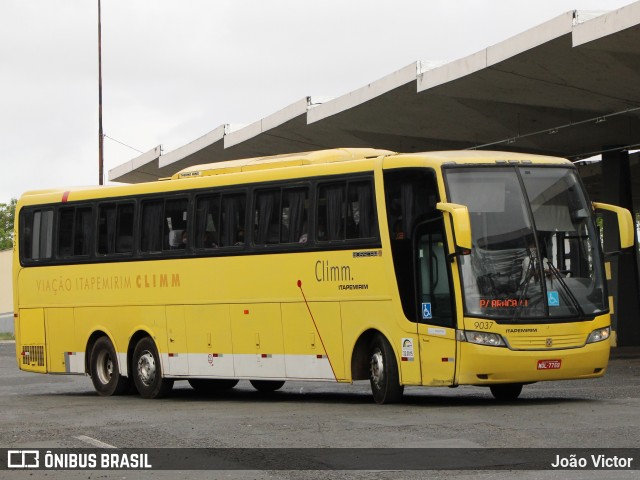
[{"x": 332, "y": 273}]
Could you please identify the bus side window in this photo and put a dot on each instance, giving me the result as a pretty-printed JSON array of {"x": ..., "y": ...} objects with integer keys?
[
  {"x": 175, "y": 224},
  {"x": 295, "y": 205},
  {"x": 346, "y": 211},
  {"x": 207, "y": 221},
  {"x": 82, "y": 231},
  {"x": 74, "y": 231},
  {"x": 124, "y": 228},
  {"x": 361, "y": 217},
  {"x": 331, "y": 212},
  {"x": 232, "y": 220},
  {"x": 151, "y": 226},
  {"x": 65, "y": 231},
  {"x": 267, "y": 221},
  {"x": 37, "y": 234},
  {"x": 115, "y": 228},
  {"x": 280, "y": 216}
]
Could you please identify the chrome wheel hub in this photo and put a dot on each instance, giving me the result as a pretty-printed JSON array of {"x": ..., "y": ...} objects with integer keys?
[
  {"x": 146, "y": 368},
  {"x": 104, "y": 367},
  {"x": 376, "y": 369}
]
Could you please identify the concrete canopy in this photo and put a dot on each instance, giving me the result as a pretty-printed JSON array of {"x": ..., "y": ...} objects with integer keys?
[{"x": 568, "y": 87}]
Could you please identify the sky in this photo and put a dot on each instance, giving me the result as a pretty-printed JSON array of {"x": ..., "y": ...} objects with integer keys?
[{"x": 174, "y": 70}]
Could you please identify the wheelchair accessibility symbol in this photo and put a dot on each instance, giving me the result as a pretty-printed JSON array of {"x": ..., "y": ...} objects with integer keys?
[
  {"x": 553, "y": 299},
  {"x": 426, "y": 311}
]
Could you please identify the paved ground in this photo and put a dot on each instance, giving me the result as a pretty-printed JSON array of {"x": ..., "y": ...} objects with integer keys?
[{"x": 48, "y": 411}]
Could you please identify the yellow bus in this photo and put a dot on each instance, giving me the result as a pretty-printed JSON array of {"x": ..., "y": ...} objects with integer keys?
[{"x": 435, "y": 269}]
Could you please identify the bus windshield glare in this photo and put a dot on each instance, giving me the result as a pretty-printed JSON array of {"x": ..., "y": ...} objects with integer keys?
[{"x": 535, "y": 248}]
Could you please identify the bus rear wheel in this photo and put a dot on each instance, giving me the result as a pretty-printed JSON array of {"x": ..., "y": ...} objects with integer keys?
[
  {"x": 506, "y": 392},
  {"x": 212, "y": 385},
  {"x": 104, "y": 370},
  {"x": 147, "y": 371},
  {"x": 267, "y": 386},
  {"x": 383, "y": 372}
]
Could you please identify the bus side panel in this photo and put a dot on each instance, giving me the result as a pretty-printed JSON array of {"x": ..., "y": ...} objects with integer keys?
[
  {"x": 177, "y": 357},
  {"x": 209, "y": 341},
  {"x": 306, "y": 357},
  {"x": 360, "y": 316},
  {"x": 60, "y": 330},
  {"x": 437, "y": 355},
  {"x": 30, "y": 344},
  {"x": 257, "y": 340},
  {"x": 119, "y": 324}
]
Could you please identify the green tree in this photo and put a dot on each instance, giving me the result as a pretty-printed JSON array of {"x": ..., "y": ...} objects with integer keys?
[{"x": 7, "y": 215}]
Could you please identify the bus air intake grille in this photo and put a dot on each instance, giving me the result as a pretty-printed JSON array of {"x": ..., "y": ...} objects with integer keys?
[
  {"x": 33, "y": 355},
  {"x": 546, "y": 342}
]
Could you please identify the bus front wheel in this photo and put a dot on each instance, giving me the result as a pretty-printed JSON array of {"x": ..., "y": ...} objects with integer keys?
[
  {"x": 105, "y": 373},
  {"x": 506, "y": 392},
  {"x": 267, "y": 386},
  {"x": 383, "y": 372},
  {"x": 147, "y": 371}
]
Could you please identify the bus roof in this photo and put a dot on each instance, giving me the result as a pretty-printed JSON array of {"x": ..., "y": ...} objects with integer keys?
[
  {"x": 475, "y": 157},
  {"x": 345, "y": 154},
  {"x": 280, "y": 161},
  {"x": 264, "y": 164}
]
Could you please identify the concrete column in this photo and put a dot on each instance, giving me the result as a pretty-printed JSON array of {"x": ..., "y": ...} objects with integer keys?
[{"x": 623, "y": 284}]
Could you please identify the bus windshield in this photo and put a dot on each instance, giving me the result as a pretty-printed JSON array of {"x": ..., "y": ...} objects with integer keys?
[{"x": 535, "y": 248}]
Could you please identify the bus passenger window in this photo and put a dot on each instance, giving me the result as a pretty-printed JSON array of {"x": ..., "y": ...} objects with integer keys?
[
  {"x": 37, "y": 234},
  {"x": 267, "y": 221},
  {"x": 74, "y": 231},
  {"x": 175, "y": 224},
  {"x": 360, "y": 211},
  {"x": 331, "y": 212},
  {"x": 294, "y": 215},
  {"x": 232, "y": 220},
  {"x": 346, "y": 211},
  {"x": 151, "y": 227},
  {"x": 65, "y": 231},
  {"x": 115, "y": 228},
  {"x": 124, "y": 228},
  {"x": 82, "y": 231},
  {"x": 280, "y": 216},
  {"x": 207, "y": 221}
]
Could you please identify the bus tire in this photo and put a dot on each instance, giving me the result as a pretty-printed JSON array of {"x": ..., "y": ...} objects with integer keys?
[
  {"x": 267, "y": 386},
  {"x": 383, "y": 372},
  {"x": 104, "y": 370},
  {"x": 212, "y": 385},
  {"x": 506, "y": 392},
  {"x": 147, "y": 371}
]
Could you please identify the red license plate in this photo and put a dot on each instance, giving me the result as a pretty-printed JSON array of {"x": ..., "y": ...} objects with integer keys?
[{"x": 549, "y": 364}]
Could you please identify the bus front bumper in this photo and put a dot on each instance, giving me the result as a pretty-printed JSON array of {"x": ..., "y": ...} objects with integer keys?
[{"x": 486, "y": 365}]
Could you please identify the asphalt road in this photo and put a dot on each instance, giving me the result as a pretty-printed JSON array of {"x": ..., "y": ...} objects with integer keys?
[{"x": 48, "y": 411}]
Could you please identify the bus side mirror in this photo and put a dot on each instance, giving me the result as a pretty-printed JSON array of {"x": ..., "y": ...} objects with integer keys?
[
  {"x": 461, "y": 224},
  {"x": 625, "y": 223}
]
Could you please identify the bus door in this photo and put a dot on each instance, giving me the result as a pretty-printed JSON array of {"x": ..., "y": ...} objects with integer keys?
[{"x": 436, "y": 314}]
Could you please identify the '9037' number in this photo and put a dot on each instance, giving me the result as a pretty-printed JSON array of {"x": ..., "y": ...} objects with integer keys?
[{"x": 483, "y": 325}]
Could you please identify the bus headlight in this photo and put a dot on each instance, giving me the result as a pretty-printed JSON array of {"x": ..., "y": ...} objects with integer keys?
[
  {"x": 481, "y": 338},
  {"x": 599, "y": 335}
]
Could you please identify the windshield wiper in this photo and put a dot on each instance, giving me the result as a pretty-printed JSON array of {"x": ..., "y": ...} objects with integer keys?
[
  {"x": 529, "y": 274},
  {"x": 556, "y": 273}
]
